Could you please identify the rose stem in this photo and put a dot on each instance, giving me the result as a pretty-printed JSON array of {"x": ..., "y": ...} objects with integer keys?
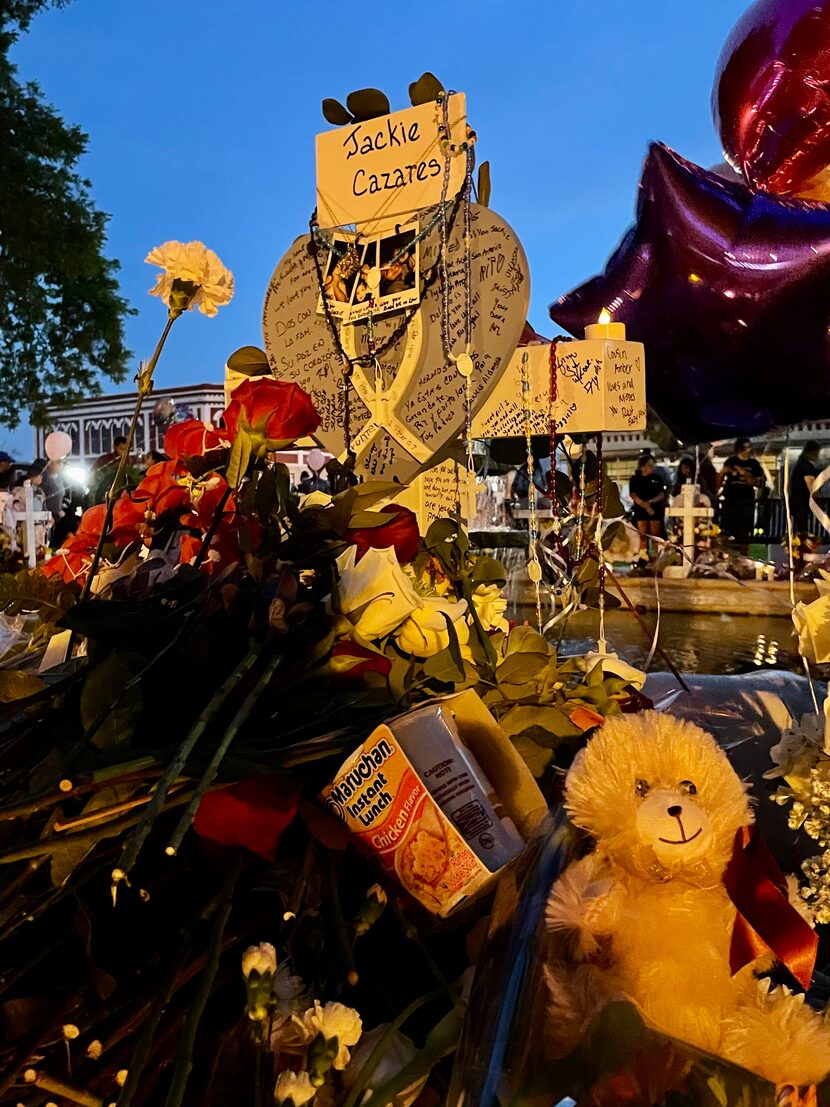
[
  {"x": 138, "y": 836},
  {"x": 141, "y": 1053},
  {"x": 340, "y": 923},
  {"x": 210, "y": 772},
  {"x": 212, "y": 529},
  {"x": 144, "y": 380},
  {"x": 411, "y": 932},
  {"x": 184, "y": 1060}
]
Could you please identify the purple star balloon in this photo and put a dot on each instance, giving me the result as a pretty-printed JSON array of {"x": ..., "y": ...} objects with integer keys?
[{"x": 730, "y": 292}]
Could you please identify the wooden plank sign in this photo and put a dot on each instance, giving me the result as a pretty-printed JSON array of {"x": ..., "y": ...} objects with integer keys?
[
  {"x": 600, "y": 387},
  {"x": 387, "y": 166}
]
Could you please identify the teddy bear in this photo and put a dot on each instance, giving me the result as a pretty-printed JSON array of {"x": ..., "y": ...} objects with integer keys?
[{"x": 647, "y": 917}]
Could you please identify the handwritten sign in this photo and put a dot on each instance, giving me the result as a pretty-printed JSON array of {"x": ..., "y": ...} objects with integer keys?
[
  {"x": 446, "y": 491},
  {"x": 387, "y": 166},
  {"x": 600, "y": 387},
  {"x": 407, "y": 411}
]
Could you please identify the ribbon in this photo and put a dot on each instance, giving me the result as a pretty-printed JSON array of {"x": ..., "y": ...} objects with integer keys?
[{"x": 766, "y": 920}]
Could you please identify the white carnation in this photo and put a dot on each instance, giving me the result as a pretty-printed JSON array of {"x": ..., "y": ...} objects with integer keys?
[
  {"x": 195, "y": 263},
  {"x": 335, "y": 1020}
]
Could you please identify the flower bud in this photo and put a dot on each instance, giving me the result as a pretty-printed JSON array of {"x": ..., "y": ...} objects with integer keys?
[
  {"x": 261, "y": 959},
  {"x": 370, "y": 910}
]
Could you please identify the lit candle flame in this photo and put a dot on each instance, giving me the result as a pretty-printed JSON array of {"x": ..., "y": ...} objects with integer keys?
[{"x": 604, "y": 317}]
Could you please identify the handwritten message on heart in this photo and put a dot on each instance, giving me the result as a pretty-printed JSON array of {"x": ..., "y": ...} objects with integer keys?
[{"x": 405, "y": 412}]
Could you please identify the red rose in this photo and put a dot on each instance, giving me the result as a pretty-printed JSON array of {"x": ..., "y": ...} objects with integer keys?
[
  {"x": 350, "y": 660},
  {"x": 92, "y": 520},
  {"x": 193, "y": 438},
  {"x": 249, "y": 815},
  {"x": 159, "y": 491},
  {"x": 206, "y": 497},
  {"x": 401, "y": 532},
  {"x": 73, "y": 559},
  {"x": 127, "y": 520},
  {"x": 223, "y": 551},
  {"x": 278, "y": 411}
]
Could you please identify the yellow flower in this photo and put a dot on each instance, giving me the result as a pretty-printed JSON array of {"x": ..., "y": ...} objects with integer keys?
[
  {"x": 425, "y": 631},
  {"x": 490, "y": 607},
  {"x": 335, "y": 1020},
  {"x": 375, "y": 593},
  {"x": 193, "y": 264},
  {"x": 812, "y": 625},
  {"x": 294, "y": 1087}
]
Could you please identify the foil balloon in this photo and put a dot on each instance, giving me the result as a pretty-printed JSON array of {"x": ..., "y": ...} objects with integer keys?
[
  {"x": 163, "y": 413},
  {"x": 771, "y": 98},
  {"x": 730, "y": 292}
]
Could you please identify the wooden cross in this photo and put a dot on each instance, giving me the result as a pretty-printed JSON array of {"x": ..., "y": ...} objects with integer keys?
[
  {"x": 683, "y": 507},
  {"x": 29, "y": 518}
]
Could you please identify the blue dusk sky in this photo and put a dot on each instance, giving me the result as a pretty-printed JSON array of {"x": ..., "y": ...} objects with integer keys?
[{"x": 201, "y": 118}]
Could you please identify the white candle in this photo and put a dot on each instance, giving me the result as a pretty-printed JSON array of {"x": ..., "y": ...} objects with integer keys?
[{"x": 605, "y": 328}]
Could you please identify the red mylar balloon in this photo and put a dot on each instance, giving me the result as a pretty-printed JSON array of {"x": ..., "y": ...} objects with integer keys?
[{"x": 771, "y": 98}]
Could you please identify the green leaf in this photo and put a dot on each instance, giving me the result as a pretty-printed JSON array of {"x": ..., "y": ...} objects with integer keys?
[
  {"x": 612, "y": 505},
  {"x": 443, "y": 666},
  {"x": 363, "y": 520},
  {"x": 612, "y": 533},
  {"x": 537, "y": 758},
  {"x": 546, "y": 725},
  {"x": 487, "y": 570},
  {"x": 265, "y": 496},
  {"x": 454, "y": 645},
  {"x": 334, "y": 112},
  {"x": 249, "y": 360},
  {"x": 102, "y": 687},
  {"x": 483, "y": 187},
  {"x": 240, "y": 458},
  {"x": 526, "y": 640},
  {"x": 68, "y": 854},
  {"x": 367, "y": 103},
  {"x": 519, "y": 668},
  {"x": 425, "y": 90}
]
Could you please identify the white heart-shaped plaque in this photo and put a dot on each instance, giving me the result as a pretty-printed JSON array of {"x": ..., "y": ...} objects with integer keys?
[{"x": 410, "y": 406}]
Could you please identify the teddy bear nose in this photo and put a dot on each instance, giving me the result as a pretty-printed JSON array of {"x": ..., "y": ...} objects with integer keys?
[{"x": 675, "y": 810}]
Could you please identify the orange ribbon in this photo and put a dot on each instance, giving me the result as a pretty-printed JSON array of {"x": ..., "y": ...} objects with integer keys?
[{"x": 766, "y": 920}]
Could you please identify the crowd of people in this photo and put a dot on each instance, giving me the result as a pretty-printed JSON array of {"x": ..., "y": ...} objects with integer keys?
[
  {"x": 739, "y": 494},
  {"x": 58, "y": 497}
]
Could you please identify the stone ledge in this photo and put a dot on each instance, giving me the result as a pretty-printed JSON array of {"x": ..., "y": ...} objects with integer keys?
[{"x": 752, "y": 597}]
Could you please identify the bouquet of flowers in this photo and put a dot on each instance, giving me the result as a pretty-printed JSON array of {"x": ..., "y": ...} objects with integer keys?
[{"x": 231, "y": 644}]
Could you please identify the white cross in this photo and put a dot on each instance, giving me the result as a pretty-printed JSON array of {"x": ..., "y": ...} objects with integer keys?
[
  {"x": 683, "y": 507},
  {"x": 29, "y": 517}
]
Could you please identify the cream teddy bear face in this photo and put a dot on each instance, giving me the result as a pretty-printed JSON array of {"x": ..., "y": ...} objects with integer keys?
[{"x": 653, "y": 788}]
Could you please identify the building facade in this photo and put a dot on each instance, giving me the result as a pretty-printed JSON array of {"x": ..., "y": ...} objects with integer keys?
[{"x": 94, "y": 424}]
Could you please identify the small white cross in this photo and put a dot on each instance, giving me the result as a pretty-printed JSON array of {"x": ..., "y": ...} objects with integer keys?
[
  {"x": 29, "y": 517},
  {"x": 683, "y": 507}
]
